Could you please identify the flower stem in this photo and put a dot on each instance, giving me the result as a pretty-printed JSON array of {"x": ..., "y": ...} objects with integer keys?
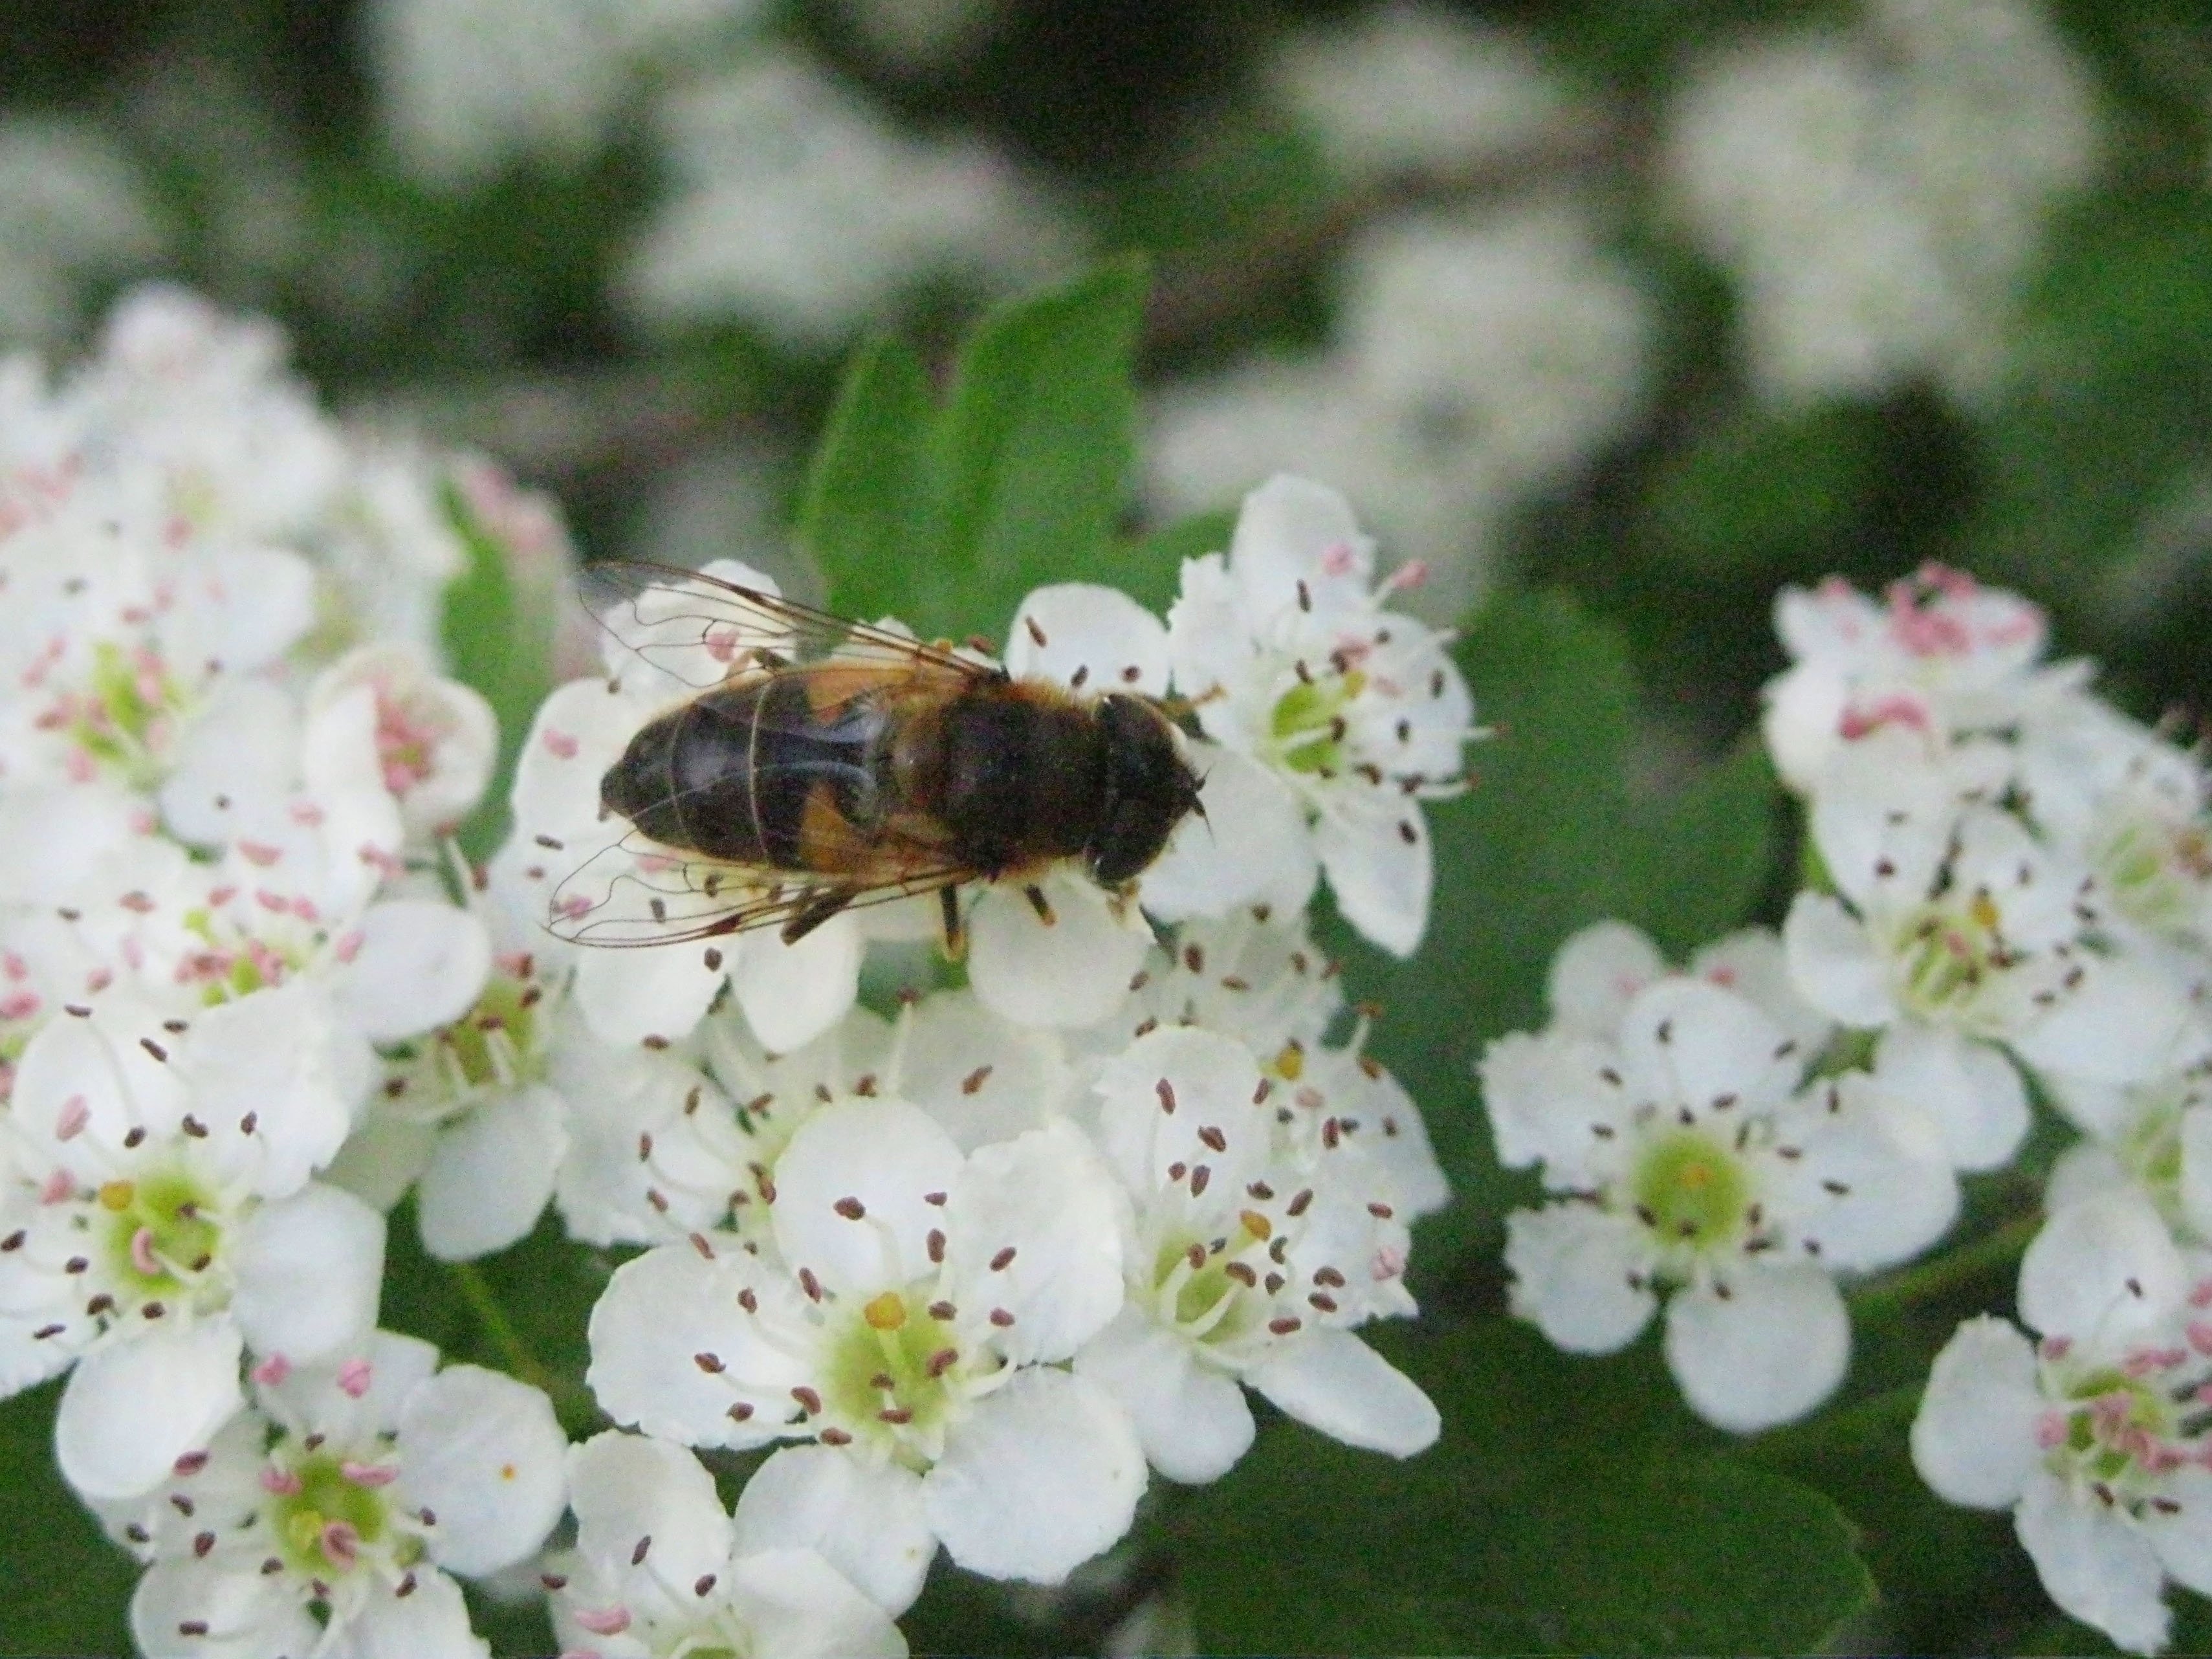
[
  {"x": 575, "y": 1406},
  {"x": 1925, "y": 1281}
]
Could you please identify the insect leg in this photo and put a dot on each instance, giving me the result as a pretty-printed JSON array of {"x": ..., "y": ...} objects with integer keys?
[{"x": 816, "y": 911}]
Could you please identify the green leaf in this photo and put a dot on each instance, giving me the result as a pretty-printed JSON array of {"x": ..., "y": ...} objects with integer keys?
[
  {"x": 496, "y": 643},
  {"x": 865, "y": 516},
  {"x": 1548, "y": 840},
  {"x": 1038, "y": 438},
  {"x": 1763, "y": 490},
  {"x": 946, "y": 516},
  {"x": 67, "y": 1587},
  {"x": 1523, "y": 1530}
]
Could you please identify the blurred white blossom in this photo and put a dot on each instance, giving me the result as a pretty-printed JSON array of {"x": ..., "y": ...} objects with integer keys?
[
  {"x": 1880, "y": 196},
  {"x": 73, "y": 209}
]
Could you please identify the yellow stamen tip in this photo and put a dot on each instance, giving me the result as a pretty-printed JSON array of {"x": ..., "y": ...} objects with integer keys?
[
  {"x": 117, "y": 1195},
  {"x": 886, "y": 1313}
]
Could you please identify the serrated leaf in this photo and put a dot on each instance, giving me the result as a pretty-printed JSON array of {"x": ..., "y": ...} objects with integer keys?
[
  {"x": 865, "y": 515},
  {"x": 1554, "y": 1515},
  {"x": 1037, "y": 442}
]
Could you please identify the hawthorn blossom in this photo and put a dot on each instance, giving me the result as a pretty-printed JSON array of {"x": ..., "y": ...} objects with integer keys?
[
  {"x": 1245, "y": 1266},
  {"x": 158, "y": 1218},
  {"x": 1598, "y": 971},
  {"x": 1332, "y": 718},
  {"x": 1939, "y": 657},
  {"x": 328, "y": 1517},
  {"x": 431, "y": 742},
  {"x": 910, "y": 1312},
  {"x": 1694, "y": 1160},
  {"x": 2153, "y": 1138},
  {"x": 1969, "y": 944},
  {"x": 2094, "y": 1432},
  {"x": 660, "y": 1570}
]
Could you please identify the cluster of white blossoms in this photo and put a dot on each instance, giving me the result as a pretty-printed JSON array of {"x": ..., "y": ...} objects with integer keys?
[
  {"x": 1879, "y": 195},
  {"x": 977, "y": 1264},
  {"x": 2009, "y": 897}
]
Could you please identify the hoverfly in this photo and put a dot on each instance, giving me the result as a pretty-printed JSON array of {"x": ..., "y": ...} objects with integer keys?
[{"x": 820, "y": 764}]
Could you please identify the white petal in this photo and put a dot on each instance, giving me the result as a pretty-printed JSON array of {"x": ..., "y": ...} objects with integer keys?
[
  {"x": 329, "y": 1398},
  {"x": 381, "y": 1158},
  {"x": 310, "y": 1270},
  {"x": 1769, "y": 1353},
  {"x": 270, "y": 1059},
  {"x": 1541, "y": 1092},
  {"x": 796, "y": 1603},
  {"x": 483, "y": 1453},
  {"x": 1970, "y": 1090},
  {"x": 657, "y": 1313},
  {"x": 1834, "y": 964},
  {"x": 2094, "y": 1564},
  {"x": 1092, "y": 637},
  {"x": 2196, "y": 1185},
  {"x": 1874, "y": 1182},
  {"x": 2118, "y": 1025},
  {"x": 2101, "y": 1271},
  {"x": 1572, "y": 1269},
  {"x": 865, "y": 1519},
  {"x": 1074, "y": 971},
  {"x": 491, "y": 1173},
  {"x": 248, "y": 1616},
  {"x": 1381, "y": 869},
  {"x": 419, "y": 965},
  {"x": 239, "y": 748},
  {"x": 658, "y": 991},
  {"x": 1286, "y": 532},
  {"x": 1693, "y": 1043},
  {"x": 888, "y": 1155},
  {"x": 131, "y": 1409},
  {"x": 1250, "y": 847},
  {"x": 1210, "y": 1083},
  {"x": 1973, "y": 1440},
  {"x": 791, "y": 994},
  {"x": 626, "y": 1487},
  {"x": 1191, "y": 1419},
  {"x": 1331, "y": 1381},
  {"x": 1045, "y": 1474},
  {"x": 950, "y": 1038},
  {"x": 1050, "y": 1198},
  {"x": 431, "y": 1621},
  {"x": 578, "y": 733},
  {"x": 2183, "y": 1536},
  {"x": 1597, "y": 973}
]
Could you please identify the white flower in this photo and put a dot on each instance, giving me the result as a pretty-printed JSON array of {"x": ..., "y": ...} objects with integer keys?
[
  {"x": 2153, "y": 1138},
  {"x": 910, "y": 1313},
  {"x": 1961, "y": 936},
  {"x": 1411, "y": 88},
  {"x": 2094, "y": 1436},
  {"x": 1940, "y": 657},
  {"x": 430, "y": 743},
  {"x": 1247, "y": 1264},
  {"x": 1693, "y": 1162},
  {"x": 659, "y": 1570},
  {"x": 329, "y": 1516},
  {"x": 2135, "y": 807},
  {"x": 798, "y": 210},
  {"x": 1335, "y": 718},
  {"x": 158, "y": 1215}
]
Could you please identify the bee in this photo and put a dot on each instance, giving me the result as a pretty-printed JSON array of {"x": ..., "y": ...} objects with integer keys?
[{"x": 820, "y": 764}]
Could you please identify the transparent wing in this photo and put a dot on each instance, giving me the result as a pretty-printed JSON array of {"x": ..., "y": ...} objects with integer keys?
[
  {"x": 638, "y": 893},
  {"x": 701, "y": 630}
]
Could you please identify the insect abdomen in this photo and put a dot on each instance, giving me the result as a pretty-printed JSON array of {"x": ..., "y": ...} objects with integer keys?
[{"x": 743, "y": 772}]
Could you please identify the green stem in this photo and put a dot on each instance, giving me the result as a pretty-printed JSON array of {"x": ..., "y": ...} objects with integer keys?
[
  {"x": 575, "y": 1406},
  {"x": 1926, "y": 1281}
]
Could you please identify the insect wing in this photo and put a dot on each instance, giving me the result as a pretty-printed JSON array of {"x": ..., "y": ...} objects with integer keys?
[
  {"x": 638, "y": 893},
  {"x": 700, "y": 629}
]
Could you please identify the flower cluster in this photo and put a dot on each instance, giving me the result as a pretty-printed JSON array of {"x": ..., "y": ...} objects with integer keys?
[
  {"x": 227, "y": 758},
  {"x": 976, "y": 1261},
  {"x": 2009, "y": 897}
]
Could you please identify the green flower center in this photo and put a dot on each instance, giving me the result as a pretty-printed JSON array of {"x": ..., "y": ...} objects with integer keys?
[
  {"x": 1308, "y": 725},
  {"x": 323, "y": 1525},
  {"x": 506, "y": 1015},
  {"x": 893, "y": 1372},
  {"x": 1206, "y": 1288},
  {"x": 117, "y": 721},
  {"x": 1949, "y": 951},
  {"x": 2158, "y": 870},
  {"x": 1691, "y": 1190},
  {"x": 164, "y": 1231},
  {"x": 2124, "y": 1419}
]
